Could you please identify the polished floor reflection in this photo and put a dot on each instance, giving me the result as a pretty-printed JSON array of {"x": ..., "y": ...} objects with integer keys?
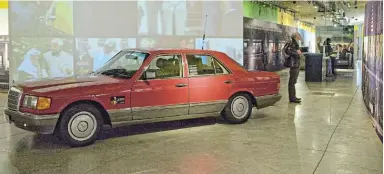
[{"x": 330, "y": 132}]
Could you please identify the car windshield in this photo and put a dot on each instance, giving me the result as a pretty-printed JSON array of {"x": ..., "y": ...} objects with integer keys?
[{"x": 124, "y": 64}]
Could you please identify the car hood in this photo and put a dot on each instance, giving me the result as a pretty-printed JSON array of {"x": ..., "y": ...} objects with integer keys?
[{"x": 69, "y": 85}]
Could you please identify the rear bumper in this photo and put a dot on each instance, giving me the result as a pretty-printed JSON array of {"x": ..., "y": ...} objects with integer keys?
[
  {"x": 267, "y": 100},
  {"x": 43, "y": 124}
]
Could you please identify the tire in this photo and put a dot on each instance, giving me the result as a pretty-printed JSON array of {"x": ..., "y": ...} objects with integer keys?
[
  {"x": 242, "y": 112},
  {"x": 80, "y": 125}
]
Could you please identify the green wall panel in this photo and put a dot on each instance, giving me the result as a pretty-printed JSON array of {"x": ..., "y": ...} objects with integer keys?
[{"x": 260, "y": 12}]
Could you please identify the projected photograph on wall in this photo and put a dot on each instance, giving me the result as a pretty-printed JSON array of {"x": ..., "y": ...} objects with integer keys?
[
  {"x": 109, "y": 19},
  {"x": 161, "y": 17},
  {"x": 167, "y": 42},
  {"x": 39, "y": 58},
  {"x": 95, "y": 52},
  {"x": 41, "y": 18},
  {"x": 218, "y": 18},
  {"x": 232, "y": 47}
]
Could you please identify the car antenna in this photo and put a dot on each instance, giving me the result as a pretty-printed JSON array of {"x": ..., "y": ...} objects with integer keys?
[{"x": 205, "y": 26}]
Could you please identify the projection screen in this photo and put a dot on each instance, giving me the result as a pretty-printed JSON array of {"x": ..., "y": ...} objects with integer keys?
[{"x": 67, "y": 38}]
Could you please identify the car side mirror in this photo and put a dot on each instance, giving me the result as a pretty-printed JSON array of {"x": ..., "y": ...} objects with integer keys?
[{"x": 150, "y": 75}]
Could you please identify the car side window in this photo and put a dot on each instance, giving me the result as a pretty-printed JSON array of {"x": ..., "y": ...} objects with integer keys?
[
  {"x": 200, "y": 65},
  {"x": 164, "y": 66}
]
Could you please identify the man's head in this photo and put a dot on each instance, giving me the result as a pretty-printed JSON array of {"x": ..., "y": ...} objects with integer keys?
[
  {"x": 328, "y": 41},
  {"x": 109, "y": 46},
  {"x": 319, "y": 39},
  {"x": 56, "y": 45},
  {"x": 296, "y": 36}
]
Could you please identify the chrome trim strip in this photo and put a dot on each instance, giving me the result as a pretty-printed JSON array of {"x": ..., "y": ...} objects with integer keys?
[
  {"x": 205, "y": 103},
  {"x": 18, "y": 90},
  {"x": 146, "y": 108}
]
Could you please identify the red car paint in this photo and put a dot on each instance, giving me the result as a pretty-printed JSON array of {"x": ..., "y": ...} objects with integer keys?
[{"x": 141, "y": 93}]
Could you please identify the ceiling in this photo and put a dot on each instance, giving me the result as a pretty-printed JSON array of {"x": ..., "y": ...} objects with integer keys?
[{"x": 308, "y": 11}]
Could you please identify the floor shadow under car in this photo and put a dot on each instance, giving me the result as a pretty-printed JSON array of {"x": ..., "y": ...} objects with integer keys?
[
  {"x": 52, "y": 142},
  {"x": 156, "y": 127}
]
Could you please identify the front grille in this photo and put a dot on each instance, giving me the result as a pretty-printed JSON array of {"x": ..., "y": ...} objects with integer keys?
[{"x": 14, "y": 96}]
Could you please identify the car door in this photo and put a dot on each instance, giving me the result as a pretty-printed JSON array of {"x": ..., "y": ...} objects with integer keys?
[
  {"x": 209, "y": 84},
  {"x": 162, "y": 90}
]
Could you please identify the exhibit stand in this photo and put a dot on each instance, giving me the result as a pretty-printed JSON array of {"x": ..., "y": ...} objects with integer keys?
[{"x": 314, "y": 67}]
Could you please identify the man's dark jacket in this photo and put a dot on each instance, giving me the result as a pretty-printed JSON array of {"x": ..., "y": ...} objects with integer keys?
[{"x": 292, "y": 52}]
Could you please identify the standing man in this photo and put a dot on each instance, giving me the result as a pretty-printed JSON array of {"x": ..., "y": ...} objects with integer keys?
[
  {"x": 60, "y": 62},
  {"x": 103, "y": 55},
  {"x": 293, "y": 50},
  {"x": 319, "y": 47}
]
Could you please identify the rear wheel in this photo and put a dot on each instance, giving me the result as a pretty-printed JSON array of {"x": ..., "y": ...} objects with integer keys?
[
  {"x": 80, "y": 125},
  {"x": 238, "y": 109}
]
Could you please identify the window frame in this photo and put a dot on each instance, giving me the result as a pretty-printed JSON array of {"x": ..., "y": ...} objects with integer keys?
[
  {"x": 181, "y": 64},
  {"x": 214, "y": 58}
]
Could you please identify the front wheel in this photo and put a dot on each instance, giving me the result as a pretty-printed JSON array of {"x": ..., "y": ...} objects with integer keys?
[
  {"x": 80, "y": 125},
  {"x": 238, "y": 109}
]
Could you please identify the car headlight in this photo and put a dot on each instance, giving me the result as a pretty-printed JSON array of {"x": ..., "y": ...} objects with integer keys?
[{"x": 35, "y": 102}]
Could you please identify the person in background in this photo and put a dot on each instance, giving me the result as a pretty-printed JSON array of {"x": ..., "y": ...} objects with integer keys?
[
  {"x": 345, "y": 48},
  {"x": 153, "y": 11},
  {"x": 341, "y": 51},
  {"x": 293, "y": 50},
  {"x": 319, "y": 47},
  {"x": 60, "y": 62},
  {"x": 30, "y": 68},
  {"x": 100, "y": 57},
  {"x": 351, "y": 49},
  {"x": 328, "y": 52}
]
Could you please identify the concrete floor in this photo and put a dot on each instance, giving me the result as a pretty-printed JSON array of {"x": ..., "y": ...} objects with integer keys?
[{"x": 325, "y": 134}]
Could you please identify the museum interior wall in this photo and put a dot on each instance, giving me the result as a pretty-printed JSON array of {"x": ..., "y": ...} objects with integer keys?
[
  {"x": 372, "y": 63},
  {"x": 266, "y": 30}
]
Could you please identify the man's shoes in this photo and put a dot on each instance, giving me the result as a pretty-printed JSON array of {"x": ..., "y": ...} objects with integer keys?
[
  {"x": 295, "y": 101},
  {"x": 298, "y": 99}
]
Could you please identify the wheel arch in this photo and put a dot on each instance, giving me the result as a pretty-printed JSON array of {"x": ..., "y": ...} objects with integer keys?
[
  {"x": 250, "y": 94},
  {"x": 99, "y": 106}
]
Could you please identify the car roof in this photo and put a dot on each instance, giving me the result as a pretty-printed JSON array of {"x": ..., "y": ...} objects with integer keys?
[{"x": 171, "y": 50}]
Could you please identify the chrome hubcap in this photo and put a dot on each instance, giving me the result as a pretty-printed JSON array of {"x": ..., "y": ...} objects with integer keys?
[
  {"x": 82, "y": 126},
  {"x": 239, "y": 107}
]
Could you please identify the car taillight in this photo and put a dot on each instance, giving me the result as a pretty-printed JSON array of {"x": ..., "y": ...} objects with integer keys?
[{"x": 278, "y": 86}]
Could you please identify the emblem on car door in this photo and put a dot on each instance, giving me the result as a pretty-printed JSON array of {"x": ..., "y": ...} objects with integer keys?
[{"x": 118, "y": 100}]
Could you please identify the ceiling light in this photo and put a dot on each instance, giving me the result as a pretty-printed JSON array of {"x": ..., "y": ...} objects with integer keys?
[{"x": 315, "y": 6}]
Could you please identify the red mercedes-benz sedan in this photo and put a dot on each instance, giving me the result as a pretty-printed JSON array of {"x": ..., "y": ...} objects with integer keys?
[{"x": 139, "y": 86}]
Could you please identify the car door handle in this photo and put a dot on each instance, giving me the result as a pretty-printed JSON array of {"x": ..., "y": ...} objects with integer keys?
[
  {"x": 181, "y": 85},
  {"x": 228, "y": 81}
]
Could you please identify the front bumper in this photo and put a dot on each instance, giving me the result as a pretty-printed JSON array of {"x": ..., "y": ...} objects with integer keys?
[
  {"x": 267, "y": 100},
  {"x": 42, "y": 124}
]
